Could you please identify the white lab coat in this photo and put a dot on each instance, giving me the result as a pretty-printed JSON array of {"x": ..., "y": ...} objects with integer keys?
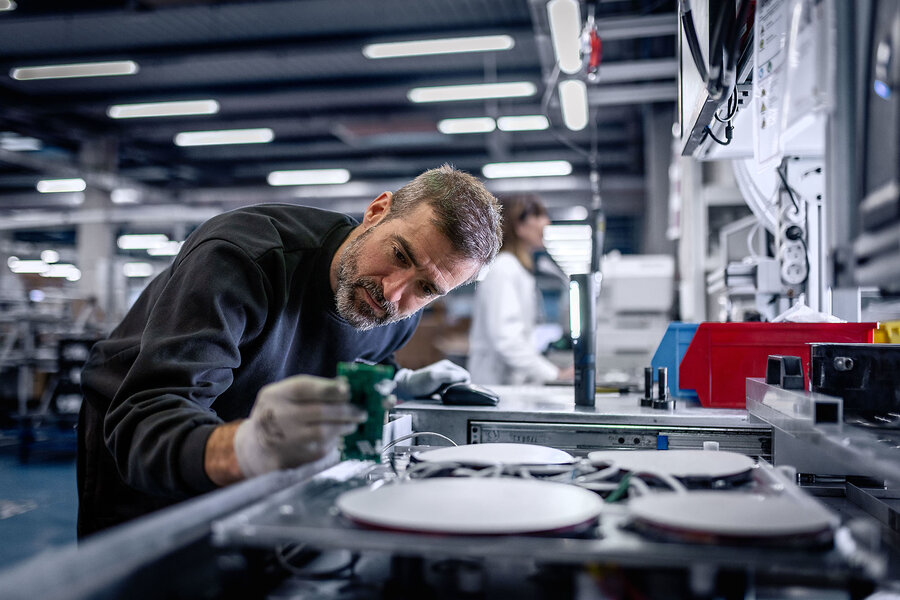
[{"x": 501, "y": 341}]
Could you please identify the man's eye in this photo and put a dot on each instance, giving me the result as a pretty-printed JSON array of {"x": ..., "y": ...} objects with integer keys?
[
  {"x": 427, "y": 290},
  {"x": 401, "y": 258}
]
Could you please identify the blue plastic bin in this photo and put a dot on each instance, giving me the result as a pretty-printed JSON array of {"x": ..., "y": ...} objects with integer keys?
[{"x": 669, "y": 353}]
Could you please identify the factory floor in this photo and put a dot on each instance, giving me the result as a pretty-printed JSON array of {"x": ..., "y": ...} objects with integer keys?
[{"x": 38, "y": 499}]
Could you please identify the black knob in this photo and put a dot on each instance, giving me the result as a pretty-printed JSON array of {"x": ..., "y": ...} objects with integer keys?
[{"x": 647, "y": 400}]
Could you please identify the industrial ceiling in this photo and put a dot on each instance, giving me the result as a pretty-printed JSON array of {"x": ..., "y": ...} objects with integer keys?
[{"x": 298, "y": 69}]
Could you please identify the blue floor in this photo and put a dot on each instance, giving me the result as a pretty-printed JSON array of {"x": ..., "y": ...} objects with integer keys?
[{"x": 38, "y": 502}]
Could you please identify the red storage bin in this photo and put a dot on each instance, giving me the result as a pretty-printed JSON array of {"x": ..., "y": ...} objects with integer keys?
[{"x": 722, "y": 355}]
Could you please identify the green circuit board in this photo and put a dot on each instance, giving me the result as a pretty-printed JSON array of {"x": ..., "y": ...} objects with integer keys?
[{"x": 366, "y": 393}]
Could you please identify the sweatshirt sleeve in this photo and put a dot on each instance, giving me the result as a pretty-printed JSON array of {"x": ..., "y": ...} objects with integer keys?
[
  {"x": 507, "y": 327},
  {"x": 158, "y": 422}
]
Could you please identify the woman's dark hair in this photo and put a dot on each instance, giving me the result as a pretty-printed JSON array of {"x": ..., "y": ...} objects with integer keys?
[{"x": 516, "y": 209}]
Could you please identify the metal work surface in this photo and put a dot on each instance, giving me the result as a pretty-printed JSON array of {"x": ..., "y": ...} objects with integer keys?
[
  {"x": 803, "y": 438},
  {"x": 547, "y": 415},
  {"x": 305, "y": 514},
  {"x": 115, "y": 563}
]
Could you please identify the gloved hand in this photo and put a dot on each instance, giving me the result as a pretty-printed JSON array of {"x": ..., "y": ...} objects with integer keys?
[
  {"x": 295, "y": 421},
  {"x": 427, "y": 380}
]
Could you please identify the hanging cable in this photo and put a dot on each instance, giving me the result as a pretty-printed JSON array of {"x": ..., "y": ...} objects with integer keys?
[{"x": 729, "y": 133}]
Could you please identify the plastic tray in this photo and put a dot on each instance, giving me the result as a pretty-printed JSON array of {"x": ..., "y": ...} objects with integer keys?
[
  {"x": 722, "y": 355},
  {"x": 669, "y": 353},
  {"x": 888, "y": 332}
]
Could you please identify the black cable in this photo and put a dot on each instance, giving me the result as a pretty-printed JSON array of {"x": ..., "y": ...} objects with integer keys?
[
  {"x": 728, "y": 134},
  {"x": 805, "y": 255},
  {"x": 788, "y": 188},
  {"x": 732, "y": 108},
  {"x": 731, "y": 45},
  {"x": 690, "y": 33},
  {"x": 714, "y": 86}
]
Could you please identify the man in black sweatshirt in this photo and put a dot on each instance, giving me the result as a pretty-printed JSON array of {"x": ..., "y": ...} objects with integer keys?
[{"x": 255, "y": 313}]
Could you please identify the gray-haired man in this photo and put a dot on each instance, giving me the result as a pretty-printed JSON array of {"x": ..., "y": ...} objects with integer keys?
[{"x": 258, "y": 307}]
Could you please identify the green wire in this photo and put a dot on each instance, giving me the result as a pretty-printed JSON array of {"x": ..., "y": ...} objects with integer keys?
[{"x": 621, "y": 490}]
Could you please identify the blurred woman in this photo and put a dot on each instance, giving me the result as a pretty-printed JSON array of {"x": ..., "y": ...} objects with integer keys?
[{"x": 501, "y": 345}]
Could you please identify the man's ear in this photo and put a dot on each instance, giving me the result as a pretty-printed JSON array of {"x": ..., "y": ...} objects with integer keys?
[{"x": 378, "y": 209}]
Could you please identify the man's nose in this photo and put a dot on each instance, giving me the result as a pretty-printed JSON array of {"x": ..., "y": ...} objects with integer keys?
[{"x": 395, "y": 284}]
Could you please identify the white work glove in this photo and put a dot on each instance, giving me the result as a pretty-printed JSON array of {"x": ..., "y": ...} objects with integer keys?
[
  {"x": 427, "y": 380},
  {"x": 295, "y": 421}
]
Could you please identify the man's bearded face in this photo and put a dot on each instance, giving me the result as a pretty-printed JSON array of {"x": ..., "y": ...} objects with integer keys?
[{"x": 351, "y": 287}]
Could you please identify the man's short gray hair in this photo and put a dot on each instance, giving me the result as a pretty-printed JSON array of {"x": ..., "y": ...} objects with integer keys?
[{"x": 464, "y": 211}]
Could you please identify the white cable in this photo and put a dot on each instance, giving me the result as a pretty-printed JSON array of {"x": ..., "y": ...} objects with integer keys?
[
  {"x": 412, "y": 435},
  {"x": 753, "y": 231},
  {"x": 640, "y": 487}
]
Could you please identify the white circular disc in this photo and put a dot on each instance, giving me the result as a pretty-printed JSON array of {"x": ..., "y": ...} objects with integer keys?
[
  {"x": 677, "y": 463},
  {"x": 485, "y": 455},
  {"x": 730, "y": 514},
  {"x": 473, "y": 505}
]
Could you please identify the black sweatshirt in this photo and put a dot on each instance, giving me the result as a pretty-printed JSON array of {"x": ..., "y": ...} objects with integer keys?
[{"x": 247, "y": 302}]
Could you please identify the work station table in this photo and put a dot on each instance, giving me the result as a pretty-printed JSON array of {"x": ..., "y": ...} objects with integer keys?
[{"x": 547, "y": 415}]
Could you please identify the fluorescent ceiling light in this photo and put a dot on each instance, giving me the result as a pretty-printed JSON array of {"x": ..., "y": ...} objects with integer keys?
[
  {"x": 142, "y": 241},
  {"x": 97, "y": 69},
  {"x": 309, "y": 177},
  {"x": 567, "y": 232},
  {"x": 27, "y": 266},
  {"x": 475, "y": 91},
  {"x": 137, "y": 269},
  {"x": 50, "y": 256},
  {"x": 570, "y": 213},
  {"x": 65, "y": 270},
  {"x": 125, "y": 196},
  {"x": 483, "y": 43},
  {"x": 7, "y": 5},
  {"x": 169, "y": 249},
  {"x": 17, "y": 143},
  {"x": 545, "y": 168},
  {"x": 473, "y": 125},
  {"x": 574, "y": 104},
  {"x": 163, "y": 109},
  {"x": 523, "y": 123},
  {"x": 53, "y": 186},
  {"x": 262, "y": 135},
  {"x": 565, "y": 32}
]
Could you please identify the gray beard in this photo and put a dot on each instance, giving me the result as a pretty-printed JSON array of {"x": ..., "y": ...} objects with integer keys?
[{"x": 356, "y": 311}]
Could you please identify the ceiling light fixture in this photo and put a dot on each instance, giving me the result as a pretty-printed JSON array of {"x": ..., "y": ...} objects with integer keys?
[
  {"x": 567, "y": 232},
  {"x": 476, "y": 91},
  {"x": 262, "y": 135},
  {"x": 26, "y": 266},
  {"x": 142, "y": 241},
  {"x": 17, "y": 143},
  {"x": 96, "y": 69},
  {"x": 574, "y": 103},
  {"x": 565, "y": 32},
  {"x": 545, "y": 168},
  {"x": 163, "y": 109},
  {"x": 7, "y": 5},
  {"x": 54, "y": 186},
  {"x": 472, "y": 125},
  {"x": 484, "y": 43},
  {"x": 137, "y": 269},
  {"x": 125, "y": 196},
  {"x": 309, "y": 177},
  {"x": 523, "y": 123},
  {"x": 169, "y": 249},
  {"x": 66, "y": 270}
]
